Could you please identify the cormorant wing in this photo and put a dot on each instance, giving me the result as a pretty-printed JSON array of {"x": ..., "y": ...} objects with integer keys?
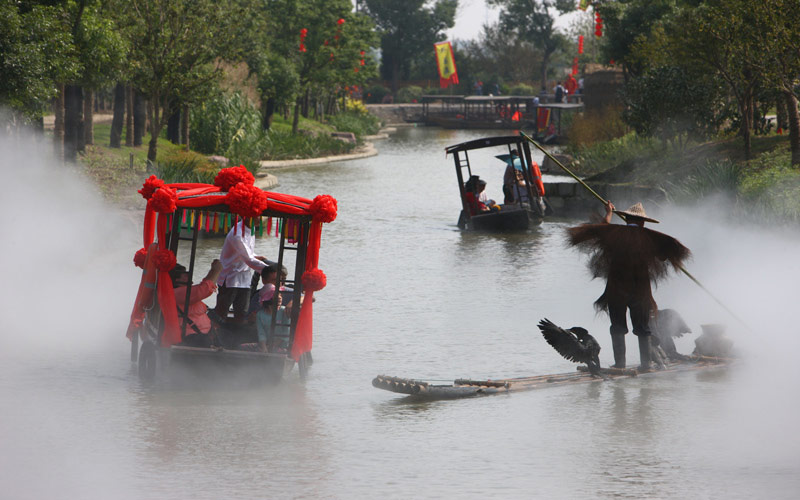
[{"x": 565, "y": 342}]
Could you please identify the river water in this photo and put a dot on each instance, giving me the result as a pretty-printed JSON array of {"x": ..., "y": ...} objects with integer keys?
[{"x": 408, "y": 295}]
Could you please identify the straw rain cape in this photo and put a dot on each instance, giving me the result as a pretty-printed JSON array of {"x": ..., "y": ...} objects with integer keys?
[{"x": 630, "y": 258}]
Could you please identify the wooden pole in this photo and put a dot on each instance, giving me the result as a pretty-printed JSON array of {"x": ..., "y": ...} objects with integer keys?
[{"x": 605, "y": 202}]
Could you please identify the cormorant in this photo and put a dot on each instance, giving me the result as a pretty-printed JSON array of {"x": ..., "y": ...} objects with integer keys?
[
  {"x": 666, "y": 325},
  {"x": 574, "y": 344}
]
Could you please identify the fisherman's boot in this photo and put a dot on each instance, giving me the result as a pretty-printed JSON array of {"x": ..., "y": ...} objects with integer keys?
[
  {"x": 644, "y": 353},
  {"x": 618, "y": 344}
]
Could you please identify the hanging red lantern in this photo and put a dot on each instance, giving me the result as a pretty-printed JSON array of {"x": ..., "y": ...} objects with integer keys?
[
  {"x": 575, "y": 66},
  {"x": 302, "y": 47},
  {"x": 598, "y": 25},
  {"x": 340, "y": 21},
  {"x": 580, "y": 44},
  {"x": 362, "y": 62}
]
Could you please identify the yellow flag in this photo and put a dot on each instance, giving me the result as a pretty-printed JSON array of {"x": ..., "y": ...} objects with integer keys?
[{"x": 446, "y": 64}]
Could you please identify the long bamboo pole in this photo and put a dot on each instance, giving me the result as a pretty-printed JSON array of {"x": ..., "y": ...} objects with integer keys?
[{"x": 605, "y": 202}]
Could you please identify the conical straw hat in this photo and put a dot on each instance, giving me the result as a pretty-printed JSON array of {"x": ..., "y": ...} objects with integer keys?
[{"x": 636, "y": 210}]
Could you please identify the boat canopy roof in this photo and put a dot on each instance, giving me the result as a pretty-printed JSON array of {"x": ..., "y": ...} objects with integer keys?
[{"x": 486, "y": 142}]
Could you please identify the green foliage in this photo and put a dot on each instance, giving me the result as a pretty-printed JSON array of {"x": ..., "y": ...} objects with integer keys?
[
  {"x": 408, "y": 30},
  {"x": 667, "y": 102},
  {"x": 522, "y": 89},
  {"x": 186, "y": 166},
  {"x": 283, "y": 145},
  {"x": 358, "y": 123},
  {"x": 710, "y": 178},
  {"x": 375, "y": 94},
  {"x": 36, "y": 53},
  {"x": 770, "y": 187},
  {"x": 412, "y": 93},
  {"x": 228, "y": 125},
  {"x": 601, "y": 156}
]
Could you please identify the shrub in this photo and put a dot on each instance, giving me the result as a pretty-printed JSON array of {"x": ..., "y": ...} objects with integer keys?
[
  {"x": 355, "y": 105},
  {"x": 229, "y": 125},
  {"x": 412, "y": 93},
  {"x": 186, "y": 166},
  {"x": 522, "y": 89},
  {"x": 282, "y": 145},
  {"x": 357, "y": 123},
  {"x": 375, "y": 94},
  {"x": 596, "y": 126}
]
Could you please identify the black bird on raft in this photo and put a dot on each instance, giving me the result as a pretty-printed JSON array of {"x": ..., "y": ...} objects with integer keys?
[{"x": 574, "y": 344}]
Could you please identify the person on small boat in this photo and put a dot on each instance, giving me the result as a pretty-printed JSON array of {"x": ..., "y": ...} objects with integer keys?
[
  {"x": 474, "y": 187},
  {"x": 514, "y": 180},
  {"x": 271, "y": 303},
  {"x": 198, "y": 325},
  {"x": 269, "y": 276},
  {"x": 630, "y": 258},
  {"x": 238, "y": 262}
]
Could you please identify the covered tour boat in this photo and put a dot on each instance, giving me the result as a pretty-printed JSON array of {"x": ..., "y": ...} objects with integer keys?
[
  {"x": 529, "y": 206},
  {"x": 176, "y": 215}
]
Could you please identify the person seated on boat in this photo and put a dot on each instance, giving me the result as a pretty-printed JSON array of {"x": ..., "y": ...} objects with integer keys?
[
  {"x": 278, "y": 340},
  {"x": 238, "y": 262},
  {"x": 198, "y": 325},
  {"x": 473, "y": 189},
  {"x": 269, "y": 276},
  {"x": 513, "y": 178}
]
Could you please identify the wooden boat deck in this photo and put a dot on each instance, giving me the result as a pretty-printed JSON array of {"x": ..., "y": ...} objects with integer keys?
[{"x": 464, "y": 388}]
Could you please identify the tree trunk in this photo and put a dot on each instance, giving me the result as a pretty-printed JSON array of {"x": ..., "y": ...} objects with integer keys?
[
  {"x": 119, "y": 116},
  {"x": 185, "y": 126},
  {"x": 395, "y": 77},
  {"x": 173, "y": 123},
  {"x": 128, "y": 116},
  {"x": 296, "y": 119},
  {"x": 155, "y": 129},
  {"x": 73, "y": 111},
  {"x": 543, "y": 69},
  {"x": 58, "y": 126},
  {"x": 747, "y": 120},
  {"x": 269, "y": 111},
  {"x": 139, "y": 117},
  {"x": 794, "y": 126},
  {"x": 304, "y": 108},
  {"x": 88, "y": 116}
]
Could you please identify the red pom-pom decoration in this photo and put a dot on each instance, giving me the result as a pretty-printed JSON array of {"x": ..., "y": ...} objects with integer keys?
[
  {"x": 164, "y": 200},
  {"x": 139, "y": 257},
  {"x": 247, "y": 200},
  {"x": 324, "y": 208},
  {"x": 164, "y": 260},
  {"x": 229, "y": 177},
  {"x": 314, "y": 280},
  {"x": 150, "y": 186}
]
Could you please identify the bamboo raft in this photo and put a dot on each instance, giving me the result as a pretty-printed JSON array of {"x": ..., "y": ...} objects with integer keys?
[{"x": 465, "y": 388}]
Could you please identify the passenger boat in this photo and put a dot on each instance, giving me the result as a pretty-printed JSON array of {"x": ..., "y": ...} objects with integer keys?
[
  {"x": 175, "y": 216},
  {"x": 466, "y": 388},
  {"x": 517, "y": 216}
]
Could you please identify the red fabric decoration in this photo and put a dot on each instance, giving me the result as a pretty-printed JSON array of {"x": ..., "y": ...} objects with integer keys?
[
  {"x": 324, "y": 208},
  {"x": 164, "y": 200},
  {"x": 247, "y": 200},
  {"x": 229, "y": 177},
  {"x": 139, "y": 257},
  {"x": 340, "y": 21},
  {"x": 314, "y": 280},
  {"x": 150, "y": 186},
  {"x": 165, "y": 260}
]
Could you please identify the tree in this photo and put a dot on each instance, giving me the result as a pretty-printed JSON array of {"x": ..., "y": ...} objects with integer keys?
[
  {"x": 409, "y": 29},
  {"x": 533, "y": 21},
  {"x": 36, "y": 53},
  {"x": 174, "y": 43}
]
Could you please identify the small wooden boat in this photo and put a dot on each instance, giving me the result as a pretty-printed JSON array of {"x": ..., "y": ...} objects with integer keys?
[
  {"x": 530, "y": 206},
  {"x": 465, "y": 388}
]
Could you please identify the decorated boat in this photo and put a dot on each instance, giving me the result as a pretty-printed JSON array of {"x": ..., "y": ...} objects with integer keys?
[
  {"x": 467, "y": 388},
  {"x": 175, "y": 216},
  {"x": 529, "y": 206}
]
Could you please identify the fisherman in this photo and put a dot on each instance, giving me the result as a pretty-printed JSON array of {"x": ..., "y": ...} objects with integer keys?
[{"x": 629, "y": 257}]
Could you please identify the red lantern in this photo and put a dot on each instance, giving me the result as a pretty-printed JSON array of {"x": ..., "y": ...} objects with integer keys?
[
  {"x": 598, "y": 25},
  {"x": 340, "y": 21},
  {"x": 580, "y": 44},
  {"x": 302, "y": 47},
  {"x": 575, "y": 66}
]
